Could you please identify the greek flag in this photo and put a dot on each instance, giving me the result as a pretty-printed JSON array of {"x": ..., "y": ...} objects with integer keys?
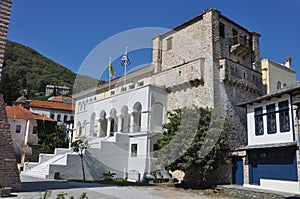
[{"x": 125, "y": 61}]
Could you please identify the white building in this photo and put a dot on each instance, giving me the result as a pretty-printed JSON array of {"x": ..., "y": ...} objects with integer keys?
[
  {"x": 271, "y": 158},
  {"x": 59, "y": 111},
  {"x": 59, "y": 90},
  {"x": 23, "y": 127},
  {"x": 208, "y": 61},
  {"x": 124, "y": 122}
]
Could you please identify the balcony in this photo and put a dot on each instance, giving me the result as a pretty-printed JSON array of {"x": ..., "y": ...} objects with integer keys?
[
  {"x": 242, "y": 76},
  {"x": 240, "y": 46}
]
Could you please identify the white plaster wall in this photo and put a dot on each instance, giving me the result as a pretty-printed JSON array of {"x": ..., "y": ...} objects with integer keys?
[
  {"x": 47, "y": 112},
  {"x": 280, "y": 185},
  {"x": 18, "y": 138},
  {"x": 146, "y": 95},
  {"x": 139, "y": 163},
  {"x": 278, "y": 137}
]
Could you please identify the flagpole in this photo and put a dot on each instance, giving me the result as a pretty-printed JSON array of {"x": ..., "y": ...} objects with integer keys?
[
  {"x": 125, "y": 68},
  {"x": 109, "y": 75}
]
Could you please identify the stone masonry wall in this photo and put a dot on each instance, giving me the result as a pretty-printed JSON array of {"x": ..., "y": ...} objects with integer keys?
[
  {"x": 228, "y": 76},
  {"x": 8, "y": 165},
  {"x": 191, "y": 53}
]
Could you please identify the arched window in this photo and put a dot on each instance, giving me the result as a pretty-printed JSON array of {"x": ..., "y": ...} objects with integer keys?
[
  {"x": 125, "y": 125},
  {"x": 278, "y": 85},
  {"x": 92, "y": 125},
  {"x": 137, "y": 117},
  {"x": 103, "y": 124},
  {"x": 113, "y": 121},
  {"x": 157, "y": 117}
]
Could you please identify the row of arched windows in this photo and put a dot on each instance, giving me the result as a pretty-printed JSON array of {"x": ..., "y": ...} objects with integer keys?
[{"x": 108, "y": 123}]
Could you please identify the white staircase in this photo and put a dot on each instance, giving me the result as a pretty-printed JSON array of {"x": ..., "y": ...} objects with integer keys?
[{"x": 41, "y": 169}]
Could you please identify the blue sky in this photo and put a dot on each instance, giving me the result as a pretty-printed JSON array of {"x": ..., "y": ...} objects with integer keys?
[{"x": 66, "y": 31}]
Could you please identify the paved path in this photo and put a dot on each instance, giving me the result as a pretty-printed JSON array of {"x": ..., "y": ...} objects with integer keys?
[{"x": 35, "y": 188}]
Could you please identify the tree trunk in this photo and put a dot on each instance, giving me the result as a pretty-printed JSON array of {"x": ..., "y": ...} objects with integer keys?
[{"x": 82, "y": 166}]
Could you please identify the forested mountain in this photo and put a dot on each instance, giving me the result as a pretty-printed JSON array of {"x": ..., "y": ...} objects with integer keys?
[{"x": 25, "y": 68}]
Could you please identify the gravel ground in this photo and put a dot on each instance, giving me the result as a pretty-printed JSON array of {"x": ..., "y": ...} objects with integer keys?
[{"x": 35, "y": 188}]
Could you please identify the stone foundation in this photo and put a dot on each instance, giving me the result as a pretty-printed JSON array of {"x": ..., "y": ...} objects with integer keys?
[{"x": 254, "y": 193}]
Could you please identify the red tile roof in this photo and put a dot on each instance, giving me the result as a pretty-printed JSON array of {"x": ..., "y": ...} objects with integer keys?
[
  {"x": 51, "y": 105},
  {"x": 19, "y": 112}
]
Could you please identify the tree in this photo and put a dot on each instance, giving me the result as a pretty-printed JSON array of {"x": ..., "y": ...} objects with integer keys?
[
  {"x": 79, "y": 146},
  {"x": 194, "y": 141},
  {"x": 9, "y": 87},
  {"x": 51, "y": 136}
]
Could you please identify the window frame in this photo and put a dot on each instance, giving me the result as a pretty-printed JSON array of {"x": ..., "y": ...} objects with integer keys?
[
  {"x": 284, "y": 110},
  {"x": 169, "y": 43},
  {"x": 18, "y": 128},
  {"x": 222, "y": 30},
  {"x": 65, "y": 118},
  {"x": 134, "y": 150},
  {"x": 271, "y": 118},
  {"x": 258, "y": 118},
  {"x": 58, "y": 117}
]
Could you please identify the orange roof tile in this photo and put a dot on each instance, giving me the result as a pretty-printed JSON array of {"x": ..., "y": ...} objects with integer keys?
[
  {"x": 19, "y": 112},
  {"x": 51, "y": 105}
]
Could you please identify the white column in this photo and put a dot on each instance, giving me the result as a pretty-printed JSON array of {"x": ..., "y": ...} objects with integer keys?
[
  {"x": 131, "y": 128},
  {"x": 119, "y": 118},
  {"x": 144, "y": 121},
  {"x": 27, "y": 132},
  {"x": 108, "y": 127},
  {"x": 148, "y": 155},
  {"x": 99, "y": 127}
]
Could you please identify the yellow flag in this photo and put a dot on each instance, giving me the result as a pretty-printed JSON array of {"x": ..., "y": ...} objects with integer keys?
[{"x": 111, "y": 70}]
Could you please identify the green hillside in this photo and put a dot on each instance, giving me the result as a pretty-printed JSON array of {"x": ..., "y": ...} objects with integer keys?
[{"x": 24, "y": 68}]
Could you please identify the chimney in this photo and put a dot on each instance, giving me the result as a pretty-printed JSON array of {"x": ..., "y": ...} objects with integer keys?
[{"x": 288, "y": 62}]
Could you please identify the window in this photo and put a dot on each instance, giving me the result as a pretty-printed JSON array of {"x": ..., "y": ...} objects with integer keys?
[
  {"x": 179, "y": 73},
  {"x": 141, "y": 83},
  {"x": 278, "y": 85},
  {"x": 222, "y": 30},
  {"x": 134, "y": 150},
  {"x": 34, "y": 130},
  {"x": 284, "y": 116},
  {"x": 235, "y": 37},
  {"x": 271, "y": 119},
  {"x": 131, "y": 86},
  {"x": 59, "y": 117},
  {"x": 112, "y": 92},
  {"x": 155, "y": 149},
  {"x": 169, "y": 43},
  {"x": 234, "y": 32},
  {"x": 123, "y": 89},
  {"x": 52, "y": 116},
  {"x": 72, "y": 118},
  {"x": 18, "y": 128},
  {"x": 259, "y": 125},
  {"x": 65, "y": 118}
]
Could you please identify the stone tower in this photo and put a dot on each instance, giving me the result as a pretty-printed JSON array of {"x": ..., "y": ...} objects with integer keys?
[
  {"x": 210, "y": 61},
  {"x": 8, "y": 165}
]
